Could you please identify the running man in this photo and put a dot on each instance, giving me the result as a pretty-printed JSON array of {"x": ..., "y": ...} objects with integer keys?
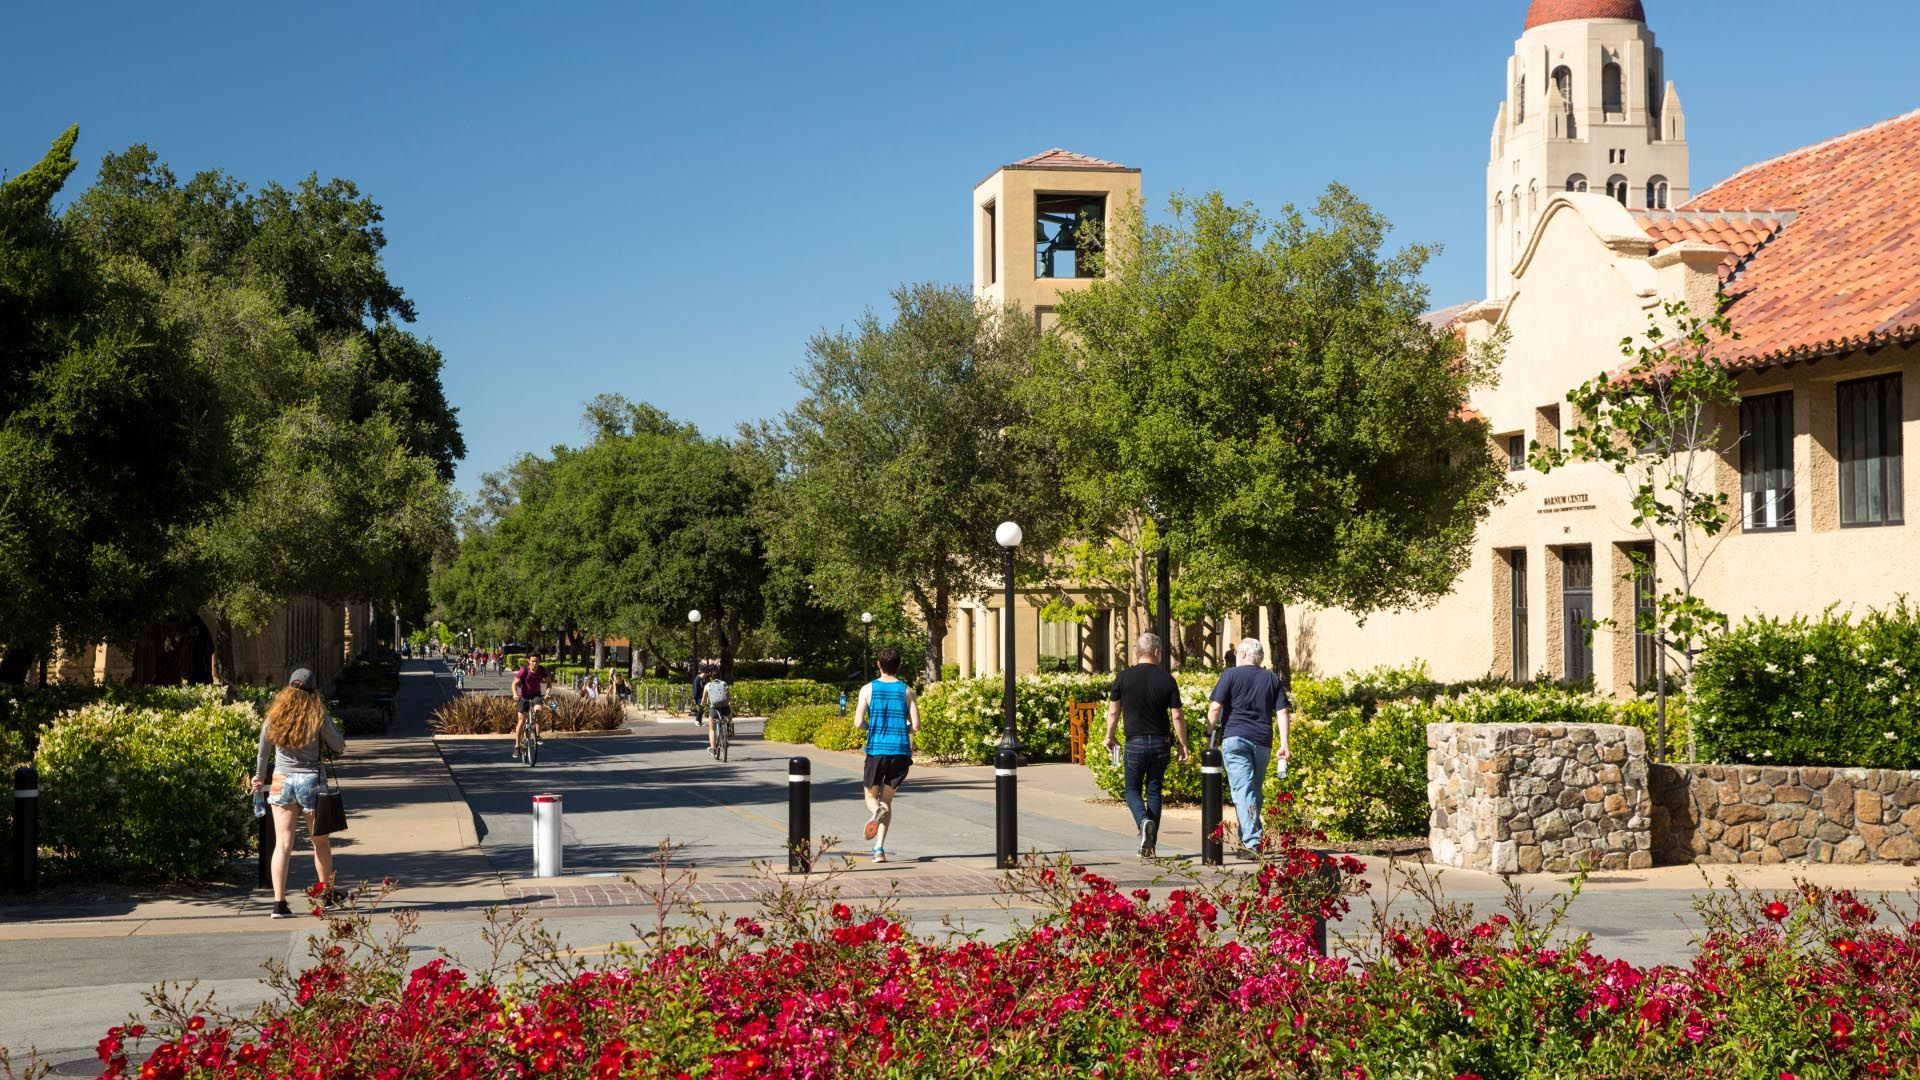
[
  {"x": 529, "y": 684},
  {"x": 890, "y": 716}
]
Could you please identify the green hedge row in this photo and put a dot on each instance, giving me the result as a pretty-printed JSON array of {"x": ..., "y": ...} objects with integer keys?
[
  {"x": 821, "y": 725},
  {"x": 1833, "y": 691}
]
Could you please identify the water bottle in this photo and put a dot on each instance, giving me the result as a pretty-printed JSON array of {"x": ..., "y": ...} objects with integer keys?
[
  {"x": 1119, "y": 755},
  {"x": 1280, "y": 768},
  {"x": 843, "y": 703},
  {"x": 260, "y": 803}
]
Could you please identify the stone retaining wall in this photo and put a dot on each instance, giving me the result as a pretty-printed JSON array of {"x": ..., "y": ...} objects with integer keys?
[
  {"x": 1776, "y": 814},
  {"x": 1525, "y": 798}
]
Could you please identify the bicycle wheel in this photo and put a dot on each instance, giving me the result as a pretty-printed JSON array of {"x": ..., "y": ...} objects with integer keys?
[
  {"x": 533, "y": 740},
  {"x": 726, "y": 736}
]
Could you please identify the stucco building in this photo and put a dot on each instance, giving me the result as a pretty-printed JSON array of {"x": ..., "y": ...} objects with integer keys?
[{"x": 1592, "y": 227}]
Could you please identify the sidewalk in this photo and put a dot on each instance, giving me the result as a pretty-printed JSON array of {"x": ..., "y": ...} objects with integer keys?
[{"x": 406, "y": 821}]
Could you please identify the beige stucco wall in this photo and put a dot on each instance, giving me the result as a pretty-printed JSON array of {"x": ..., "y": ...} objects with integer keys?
[
  {"x": 1586, "y": 285},
  {"x": 1011, "y": 281}
]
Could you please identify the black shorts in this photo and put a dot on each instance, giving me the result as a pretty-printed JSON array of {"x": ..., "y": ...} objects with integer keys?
[
  {"x": 887, "y": 770},
  {"x": 526, "y": 704}
]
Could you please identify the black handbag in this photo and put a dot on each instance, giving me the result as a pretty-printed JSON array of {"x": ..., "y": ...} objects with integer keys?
[{"x": 329, "y": 812}]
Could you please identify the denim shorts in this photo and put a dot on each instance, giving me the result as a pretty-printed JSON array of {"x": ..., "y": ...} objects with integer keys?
[{"x": 296, "y": 789}]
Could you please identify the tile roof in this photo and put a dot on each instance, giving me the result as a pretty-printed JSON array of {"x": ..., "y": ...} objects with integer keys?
[
  {"x": 1057, "y": 158},
  {"x": 1441, "y": 318},
  {"x": 1741, "y": 234},
  {"x": 1552, "y": 11},
  {"x": 1841, "y": 271}
]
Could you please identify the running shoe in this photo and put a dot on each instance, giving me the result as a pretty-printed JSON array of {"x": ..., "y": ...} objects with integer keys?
[
  {"x": 281, "y": 910},
  {"x": 872, "y": 828},
  {"x": 879, "y": 855},
  {"x": 1149, "y": 832}
]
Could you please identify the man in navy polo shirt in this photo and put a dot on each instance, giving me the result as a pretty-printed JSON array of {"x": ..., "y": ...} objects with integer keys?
[{"x": 1248, "y": 699}]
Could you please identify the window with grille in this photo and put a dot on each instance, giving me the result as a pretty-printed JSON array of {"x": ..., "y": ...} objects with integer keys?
[
  {"x": 1766, "y": 463},
  {"x": 1576, "y": 602},
  {"x": 1517, "y": 614},
  {"x": 1871, "y": 489},
  {"x": 1646, "y": 653}
]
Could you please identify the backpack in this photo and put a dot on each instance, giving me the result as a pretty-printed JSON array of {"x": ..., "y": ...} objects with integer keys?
[{"x": 717, "y": 692}]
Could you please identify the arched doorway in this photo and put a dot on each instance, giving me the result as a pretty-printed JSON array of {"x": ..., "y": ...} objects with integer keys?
[{"x": 175, "y": 650}]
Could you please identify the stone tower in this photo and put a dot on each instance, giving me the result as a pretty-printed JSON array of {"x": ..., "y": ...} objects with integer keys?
[
  {"x": 1588, "y": 108},
  {"x": 1037, "y": 221}
]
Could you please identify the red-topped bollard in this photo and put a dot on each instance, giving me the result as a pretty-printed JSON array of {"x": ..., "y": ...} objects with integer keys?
[{"x": 547, "y": 858}]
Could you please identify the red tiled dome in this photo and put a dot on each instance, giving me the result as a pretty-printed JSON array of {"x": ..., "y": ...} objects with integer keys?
[{"x": 1552, "y": 11}]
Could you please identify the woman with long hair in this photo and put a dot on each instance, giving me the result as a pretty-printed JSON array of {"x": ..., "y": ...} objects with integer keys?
[{"x": 291, "y": 742}]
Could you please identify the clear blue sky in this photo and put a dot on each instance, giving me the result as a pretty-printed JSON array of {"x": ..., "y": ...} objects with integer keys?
[{"x": 667, "y": 200}]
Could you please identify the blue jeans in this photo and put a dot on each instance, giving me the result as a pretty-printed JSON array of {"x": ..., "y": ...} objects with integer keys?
[
  {"x": 1146, "y": 768},
  {"x": 1246, "y": 763}
]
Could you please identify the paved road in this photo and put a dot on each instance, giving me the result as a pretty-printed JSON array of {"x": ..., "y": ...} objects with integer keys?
[{"x": 71, "y": 974}]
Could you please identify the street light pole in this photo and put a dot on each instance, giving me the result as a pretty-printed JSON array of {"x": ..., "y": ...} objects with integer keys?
[
  {"x": 693, "y": 661},
  {"x": 1006, "y": 764},
  {"x": 866, "y": 646}
]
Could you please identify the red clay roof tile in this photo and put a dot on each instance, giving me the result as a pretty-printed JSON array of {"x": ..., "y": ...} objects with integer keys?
[
  {"x": 1057, "y": 158},
  {"x": 1552, "y": 11}
]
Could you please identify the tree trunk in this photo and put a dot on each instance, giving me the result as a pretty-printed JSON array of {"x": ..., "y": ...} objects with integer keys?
[
  {"x": 223, "y": 663},
  {"x": 729, "y": 632},
  {"x": 599, "y": 653},
  {"x": 934, "y": 614},
  {"x": 1282, "y": 658}
]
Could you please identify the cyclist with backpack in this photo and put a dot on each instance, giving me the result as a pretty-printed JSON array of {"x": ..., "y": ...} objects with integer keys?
[{"x": 717, "y": 696}]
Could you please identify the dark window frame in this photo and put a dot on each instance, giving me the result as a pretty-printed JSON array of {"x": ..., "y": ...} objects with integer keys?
[
  {"x": 1090, "y": 214},
  {"x": 1576, "y": 650},
  {"x": 1646, "y": 646},
  {"x": 1517, "y": 614},
  {"x": 1766, "y": 460},
  {"x": 1868, "y": 431}
]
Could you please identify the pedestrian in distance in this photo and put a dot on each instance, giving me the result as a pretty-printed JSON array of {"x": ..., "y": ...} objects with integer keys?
[
  {"x": 718, "y": 698},
  {"x": 529, "y": 686},
  {"x": 1148, "y": 700},
  {"x": 889, "y": 715},
  {"x": 290, "y": 769},
  {"x": 1247, "y": 704},
  {"x": 699, "y": 697}
]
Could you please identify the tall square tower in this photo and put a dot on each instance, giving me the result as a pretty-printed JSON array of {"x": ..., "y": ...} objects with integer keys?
[{"x": 1037, "y": 221}]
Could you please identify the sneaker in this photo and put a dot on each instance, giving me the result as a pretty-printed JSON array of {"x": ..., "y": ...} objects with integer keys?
[
  {"x": 331, "y": 897},
  {"x": 281, "y": 910},
  {"x": 1149, "y": 832},
  {"x": 872, "y": 828},
  {"x": 879, "y": 855}
]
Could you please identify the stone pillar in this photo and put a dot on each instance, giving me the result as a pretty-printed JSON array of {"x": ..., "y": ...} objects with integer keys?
[{"x": 1531, "y": 798}]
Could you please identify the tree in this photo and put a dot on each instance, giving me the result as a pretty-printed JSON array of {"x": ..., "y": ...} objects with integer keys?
[
  {"x": 1265, "y": 391},
  {"x": 339, "y": 440},
  {"x": 1654, "y": 423},
  {"x": 111, "y": 438},
  {"x": 907, "y": 450}
]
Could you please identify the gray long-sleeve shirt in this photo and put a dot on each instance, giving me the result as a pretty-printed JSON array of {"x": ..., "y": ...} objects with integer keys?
[{"x": 282, "y": 759}]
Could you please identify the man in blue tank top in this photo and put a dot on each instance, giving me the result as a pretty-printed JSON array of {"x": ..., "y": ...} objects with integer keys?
[{"x": 890, "y": 716}]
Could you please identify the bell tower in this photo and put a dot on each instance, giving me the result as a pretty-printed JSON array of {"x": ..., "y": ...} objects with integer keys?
[
  {"x": 1588, "y": 108},
  {"x": 1039, "y": 223}
]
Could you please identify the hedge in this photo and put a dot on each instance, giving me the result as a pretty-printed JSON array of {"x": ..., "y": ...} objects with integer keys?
[
  {"x": 797, "y": 723},
  {"x": 139, "y": 792},
  {"x": 1828, "y": 691},
  {"x": 961, "y": 719}
]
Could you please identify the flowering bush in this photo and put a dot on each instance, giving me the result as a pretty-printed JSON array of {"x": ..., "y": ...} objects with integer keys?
[
  {"x": 132, "y": 792},
  {"x": 1213, "y": 980},
  {"x": 1827, "y": 691},
  {"x": 961, "y": 719}
]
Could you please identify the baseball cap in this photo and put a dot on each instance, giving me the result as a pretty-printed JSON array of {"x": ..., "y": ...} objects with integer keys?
[{"x": 302, "y": 678}]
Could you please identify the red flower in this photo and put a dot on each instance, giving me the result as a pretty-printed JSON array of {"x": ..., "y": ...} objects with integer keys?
[
  {"x": 1841, "y": 1025},
  {"x": 1775, "y": 911},
  {"x": 842, "y": 913}
]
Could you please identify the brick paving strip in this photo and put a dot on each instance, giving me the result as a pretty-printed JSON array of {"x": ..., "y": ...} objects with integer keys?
[{"x": 851, "y": 887}]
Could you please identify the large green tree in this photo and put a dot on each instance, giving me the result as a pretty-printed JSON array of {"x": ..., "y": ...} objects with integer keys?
[
  {"x": 111, "y": 438},
  {"x": 339, "y": 438},
  {"x": 1265, "y": 389},
  {"x": 907, "y": 450}
]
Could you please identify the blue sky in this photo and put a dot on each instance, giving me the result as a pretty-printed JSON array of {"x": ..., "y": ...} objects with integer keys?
[{"x": 667, "y": 200}]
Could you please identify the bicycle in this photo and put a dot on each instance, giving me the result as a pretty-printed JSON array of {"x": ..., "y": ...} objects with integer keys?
[
  {"x": 722, "y": 730},
  {"x": 526, "y": 744}
]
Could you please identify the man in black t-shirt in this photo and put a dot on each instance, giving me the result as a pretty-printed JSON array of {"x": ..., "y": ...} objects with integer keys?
[{"x": 1149, "y": 700}]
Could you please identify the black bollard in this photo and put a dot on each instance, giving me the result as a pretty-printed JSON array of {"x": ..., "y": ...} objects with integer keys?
[
  {"x": 799, "y": 815},
  {"x": 26, "y": 829},
  {"x": 263, "y": 842},
  {"x": 1212, "y": 773},
  {"x": 1006, "y": 768}
]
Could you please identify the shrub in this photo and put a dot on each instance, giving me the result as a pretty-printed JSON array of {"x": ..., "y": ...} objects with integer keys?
[
  {"x": 961, "y": 719},
  {"x": 473, "y": 714},
  {"x": 763, "y": 697},
  {"x": 797, "y": 723},
  {"x": 835, "y": 732},
  {"x": 144, "y": 793},
  {"x": 1827, "y": 691}
]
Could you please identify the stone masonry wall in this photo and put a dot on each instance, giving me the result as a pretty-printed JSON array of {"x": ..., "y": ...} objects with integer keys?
[
  {"x": 1526, "y": 798},
  {"x": 1774, "y": 814}
]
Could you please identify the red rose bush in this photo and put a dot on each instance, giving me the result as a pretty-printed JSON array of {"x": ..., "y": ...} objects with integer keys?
[{"x": 1217, "y": 980}]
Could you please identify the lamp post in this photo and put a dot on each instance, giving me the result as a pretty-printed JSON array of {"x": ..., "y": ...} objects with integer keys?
[
  {"x": 866, "y": 647},
  {"x": 693, "y": 662},
  {"x": 1007, "y": 763}
]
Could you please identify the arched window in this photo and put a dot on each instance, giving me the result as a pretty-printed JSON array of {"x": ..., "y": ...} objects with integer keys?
[
  {"x": 1611, "y": 93},
  {"x": 1657, "y": 193},
  {"x": 1563, "y": 82},
  {"x": 1617, "y": 188},
  {"x": 1533, "y": 200},
  {"x": 1518, "y": 221},
  {"x": 1576, "y": 182},
  {"x": 1499, "y": 213},
  {"x": 1520, "y": 101}
]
